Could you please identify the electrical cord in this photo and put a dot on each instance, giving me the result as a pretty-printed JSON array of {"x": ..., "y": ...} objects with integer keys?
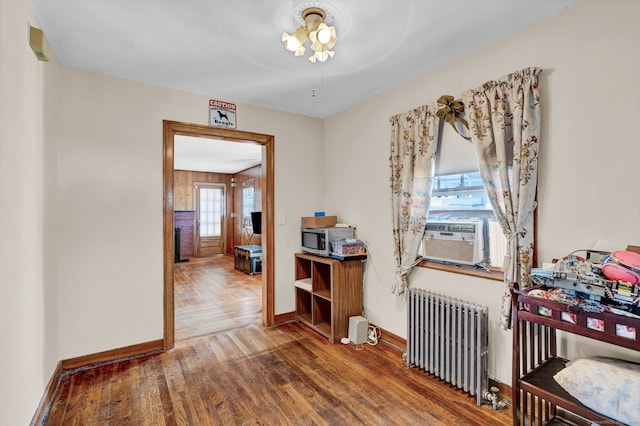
[
  {"x": 396, "y": 270},
  {"x": 373, "y": 335}
]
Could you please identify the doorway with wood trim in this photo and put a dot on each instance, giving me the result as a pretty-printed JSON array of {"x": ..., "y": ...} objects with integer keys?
[{"x": 170, "y": 130}]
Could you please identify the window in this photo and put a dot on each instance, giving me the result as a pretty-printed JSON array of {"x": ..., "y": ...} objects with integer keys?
[
  {"x": 461, "y": 225},
  {"x": 462, "y": 191},
  {"x": 248, "y": 202},
  {"x": 210, "y": 211},
  {"x": 458, "y": 195}
]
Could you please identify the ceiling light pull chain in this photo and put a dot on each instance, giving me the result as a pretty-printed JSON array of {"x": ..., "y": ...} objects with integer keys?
[{"x": 320, "y": 89}]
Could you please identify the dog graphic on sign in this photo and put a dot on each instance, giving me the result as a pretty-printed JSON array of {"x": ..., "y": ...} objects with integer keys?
[{"x": 222, "y": 114}]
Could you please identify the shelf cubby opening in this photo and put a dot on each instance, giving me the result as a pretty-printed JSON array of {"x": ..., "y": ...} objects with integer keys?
[
  {"x": 303, "y": 305},
  {"x": 321, "y": 277},
  {"x": 321, "y": 312},
  {"x": 303, "y": 268}
]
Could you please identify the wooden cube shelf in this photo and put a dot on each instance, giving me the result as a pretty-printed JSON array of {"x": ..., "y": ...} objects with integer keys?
[{"x": 328, "y": 292}]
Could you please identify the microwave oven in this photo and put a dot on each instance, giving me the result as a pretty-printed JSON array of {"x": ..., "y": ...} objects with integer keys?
[{"x": 318, "y": 240}]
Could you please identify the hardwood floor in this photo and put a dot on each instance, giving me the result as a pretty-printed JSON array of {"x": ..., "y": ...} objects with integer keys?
[
  {"x": 232, "y": 371},
  {"x": 287, "y": 375},
  {"x": 211, "y": 296}
]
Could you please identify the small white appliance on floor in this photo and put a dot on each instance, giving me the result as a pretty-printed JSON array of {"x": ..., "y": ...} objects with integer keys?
[{"x": 358, "y": 327}]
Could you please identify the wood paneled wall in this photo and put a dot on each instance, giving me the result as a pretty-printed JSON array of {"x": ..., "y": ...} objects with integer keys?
[
  {"x": 183, "y": 181},
  {"x": 183, "y": 195},
  {"x": 255, "y": 173}
]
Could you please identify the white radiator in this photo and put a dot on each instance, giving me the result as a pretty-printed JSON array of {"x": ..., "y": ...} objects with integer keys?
[{"x": 449, "y": 339}]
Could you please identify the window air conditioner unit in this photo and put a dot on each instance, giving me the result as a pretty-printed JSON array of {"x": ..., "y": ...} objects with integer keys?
[{"x": 460, "y": 242}]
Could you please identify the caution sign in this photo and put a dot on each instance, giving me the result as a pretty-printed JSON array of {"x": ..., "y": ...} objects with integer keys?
[{"x": 222, "y": 114}]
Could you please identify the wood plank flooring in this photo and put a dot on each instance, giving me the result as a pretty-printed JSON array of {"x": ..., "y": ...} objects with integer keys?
[
  {"x": 232, "y": 371},
  {"x": 211, "y": 296},
  {"x": 287, "y": 375}
]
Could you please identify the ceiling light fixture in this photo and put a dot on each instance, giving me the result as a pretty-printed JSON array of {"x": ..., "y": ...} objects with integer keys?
[{"x": 322, "y": 36}]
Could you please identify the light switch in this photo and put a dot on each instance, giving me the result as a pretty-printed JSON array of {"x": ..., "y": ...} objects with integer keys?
[{"x": 281, "y": 219}]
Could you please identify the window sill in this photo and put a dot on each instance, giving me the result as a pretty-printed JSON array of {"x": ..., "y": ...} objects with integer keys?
[{"x": 492, "y": 274}]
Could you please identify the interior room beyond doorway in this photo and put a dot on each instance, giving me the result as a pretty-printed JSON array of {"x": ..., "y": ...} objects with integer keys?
[{"x": 179, "y": 198}]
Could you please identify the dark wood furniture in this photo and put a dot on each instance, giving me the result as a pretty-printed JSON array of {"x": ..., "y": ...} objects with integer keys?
[
  {"x": 184, "y": 220},
  {"x": 536, "y": 395},
  {"x": 328, "y": 292}
]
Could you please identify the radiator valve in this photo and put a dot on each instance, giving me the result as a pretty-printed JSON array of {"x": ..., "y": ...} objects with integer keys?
[{"x": 493, "y": 396}]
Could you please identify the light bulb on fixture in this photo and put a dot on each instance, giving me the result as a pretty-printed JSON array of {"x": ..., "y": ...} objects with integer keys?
[
  {"x": 295, "y": 43},
  {"x": 322, "y": 36}
]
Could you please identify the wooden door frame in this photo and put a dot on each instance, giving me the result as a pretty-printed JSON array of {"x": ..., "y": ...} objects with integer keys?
[{"x": 173, "y": 128}]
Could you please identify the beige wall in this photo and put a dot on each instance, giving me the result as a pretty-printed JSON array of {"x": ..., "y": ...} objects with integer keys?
[
  {"x": 29, "y": 303},
  {"x": 589, "y": 158},
  {"x": 110, "y": 170},
  {"x": 73, "y": 138}
]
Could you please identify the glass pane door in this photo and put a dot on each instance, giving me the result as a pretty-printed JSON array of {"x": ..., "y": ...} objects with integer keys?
[
  {"x": 210, "y": 206},
  {"x": 210, "y": 212}
]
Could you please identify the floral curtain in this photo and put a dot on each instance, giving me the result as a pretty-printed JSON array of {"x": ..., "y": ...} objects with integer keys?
[
  {"x": 414, "y": 138},
  {"x": 504, "y": 122}
]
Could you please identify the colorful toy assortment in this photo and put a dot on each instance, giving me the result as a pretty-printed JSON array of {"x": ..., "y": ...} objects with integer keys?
[{"x": 613, "y": 284}]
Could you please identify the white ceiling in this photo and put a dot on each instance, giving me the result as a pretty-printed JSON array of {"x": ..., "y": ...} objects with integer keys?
[
  {"x": 210, "y": 155},
  {"x": 231, "y": 50}
]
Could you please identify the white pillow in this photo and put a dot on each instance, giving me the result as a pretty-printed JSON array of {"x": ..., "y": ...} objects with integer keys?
[{"x": 606, "y": 385}]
